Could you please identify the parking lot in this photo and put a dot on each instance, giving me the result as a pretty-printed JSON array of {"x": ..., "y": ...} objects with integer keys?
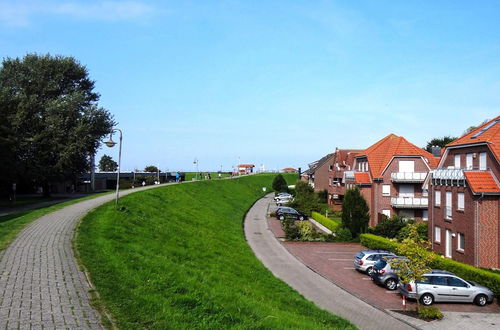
[{"x": 334, "y": 261}]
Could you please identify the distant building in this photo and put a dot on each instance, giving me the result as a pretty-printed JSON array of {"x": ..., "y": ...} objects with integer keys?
[
  {"x": 390, "y": 174},
  {"x": 343, "y": 160},
  {"x": 464, "y": 198},
  {"x": 245, "y": 168},
  {"x": 289, "y": 170},
  {"x": 317, "y": 174}
]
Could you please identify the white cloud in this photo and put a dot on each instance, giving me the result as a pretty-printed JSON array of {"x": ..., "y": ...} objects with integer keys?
[{"x": 17, "y": 14}]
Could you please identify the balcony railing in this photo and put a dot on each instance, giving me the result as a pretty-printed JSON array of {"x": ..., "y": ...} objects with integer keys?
[
  {"x": 448, "y": 174},
  {"x": 408, "y": 176},
  {"x": 409, "y": 202}
]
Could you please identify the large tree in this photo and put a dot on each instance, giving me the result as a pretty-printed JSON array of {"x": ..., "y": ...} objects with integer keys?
[
  {"x": 107, "y": 164},
  {"x": 439, "y": 142},
  {"x": 151, "y": 169},
  {"x": 355, "y": 212},
  {"x": 50, "y": 113}
]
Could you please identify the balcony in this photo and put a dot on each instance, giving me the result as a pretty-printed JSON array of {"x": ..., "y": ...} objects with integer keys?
[
  {"x": 408, "y": 177},
  {"x": 409, "y": 202}
]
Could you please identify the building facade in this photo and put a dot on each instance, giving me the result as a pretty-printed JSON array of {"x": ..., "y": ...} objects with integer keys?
[
  {"x": 343, "y": 160},
  {"x": 464, "y": 195},
  {"x": 317, "y": 174},
  {"x": 390, "y": 174}
]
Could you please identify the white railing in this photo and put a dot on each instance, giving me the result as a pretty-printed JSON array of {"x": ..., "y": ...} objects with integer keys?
[
  {"x": 408, "y": 176},
  {"x": 448, "y": 174},
  {"x": 348, "y": 175},
  {"x": 409, "y": 202}
]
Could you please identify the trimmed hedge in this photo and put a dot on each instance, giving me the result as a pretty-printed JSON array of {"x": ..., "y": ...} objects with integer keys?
[
  {"x": 489, "y": 279},
  {"x": 328, "y": 223}
]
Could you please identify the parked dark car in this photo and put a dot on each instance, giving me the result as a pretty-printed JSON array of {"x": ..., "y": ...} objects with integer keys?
[
  {"x": 383, "y": 273},
  {"x": 289, "y": 212}
]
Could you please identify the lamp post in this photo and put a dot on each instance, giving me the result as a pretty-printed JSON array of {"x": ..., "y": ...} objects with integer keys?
[{"x": 110, "y": 143}]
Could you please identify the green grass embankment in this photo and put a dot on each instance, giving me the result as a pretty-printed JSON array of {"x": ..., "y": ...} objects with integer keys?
[{"x": 176, "y": 258}]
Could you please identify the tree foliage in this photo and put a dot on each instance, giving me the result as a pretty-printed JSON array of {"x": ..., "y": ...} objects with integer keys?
[
  {"x": 279, "y": 184},
  {"x": 439, "y": 142},
  {"x": 151, "y": 169},
  {"x": 305, "y": 198},
  {"x": 355, "y": 212},
  {"x": 390, "y": 227},
  {"x": 418, "y": 259},
  {"x": 107, "y": 164},
  {"x": 50, "y": 120}
]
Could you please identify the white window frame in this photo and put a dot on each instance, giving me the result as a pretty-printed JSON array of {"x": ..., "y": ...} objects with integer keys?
[
  {"x": 386, "y": 190},
  {"x": 457, "y": 161},
  {"x": 460, "y": 242},
  {"x": 482, "y": 161},
  {"x": 469, "y": 161},
  {"x": 387, "y": 213},
  {"x": 425, "y": 215},
  {"x": 437, "y": 234},
  {"x": 460, "y": 201},
  {"x": 437, "y": 197},
  {"x": 449, "y": 205}
]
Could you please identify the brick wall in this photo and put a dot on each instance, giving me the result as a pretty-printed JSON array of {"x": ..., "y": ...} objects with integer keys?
[{"x": 489, "y": 233}]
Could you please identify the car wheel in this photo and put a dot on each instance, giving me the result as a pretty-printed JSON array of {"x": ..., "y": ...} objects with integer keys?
[
  {"x": 480, "y": 300},
  {"x": 426, "y": 299},
  {"x": 391, "y": 284},
  {"x": 282, "y": 217},
  {"x": 369, "y": 271},
  {"x": 301, "y": 218}
]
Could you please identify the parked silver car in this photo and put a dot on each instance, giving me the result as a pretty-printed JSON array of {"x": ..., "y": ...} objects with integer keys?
[
  {"x": 366, "y": 259},
  {"x": 440, "y": 286}
]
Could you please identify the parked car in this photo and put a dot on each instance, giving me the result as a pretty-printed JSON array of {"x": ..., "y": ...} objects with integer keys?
[
  {"x": 383, "y": 273},
  {"x": 282, "y": 195},
  {"x": 284, "y": 201},
  {"x": 366, "y": 259},
  {"x": 441, "y": 286},
  {"x": 289, "y": 212}
]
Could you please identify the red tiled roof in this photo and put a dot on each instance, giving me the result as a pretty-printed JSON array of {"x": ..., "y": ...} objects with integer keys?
[
  {"x": 381, "y": 153},
  {"x": 490, "y": 136},
  {"x": 246, "y": 165},
  {"x": 482, "y": 182},
  {"x": 362, "y": 177}
]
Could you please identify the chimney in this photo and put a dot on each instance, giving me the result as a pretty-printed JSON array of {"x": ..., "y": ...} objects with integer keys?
[{"x": 436, "y": 151}]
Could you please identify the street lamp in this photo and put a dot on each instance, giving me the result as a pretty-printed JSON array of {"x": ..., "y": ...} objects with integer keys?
[{"x": 110, "y": 143}]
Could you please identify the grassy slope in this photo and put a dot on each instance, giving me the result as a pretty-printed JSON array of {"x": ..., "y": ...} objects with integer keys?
[
  {"x": 12, "y": 224},
  {"x": 176, "y": 257}
]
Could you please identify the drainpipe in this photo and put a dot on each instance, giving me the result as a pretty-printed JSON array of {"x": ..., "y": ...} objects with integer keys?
[
  {"x": 432, "y": 194},
  {"x": 476, "y": 232}
]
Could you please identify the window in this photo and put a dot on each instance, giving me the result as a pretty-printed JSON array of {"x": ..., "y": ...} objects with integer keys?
[
  {"x": 437, "y": 197},
  {"x": 453, "y": 281},
  {"x": 461, "y": 242},
  {"x": 482, "y": 161},
  {"x": 406, "y": 166},
  {"x": 425, "y": 215},
  {"x": 460, "y": 201},
  {"x": 387, "y": 213},
  {"x": 449, "y": 205},
  {"x": 468, "y": 161},
  {"x": 437, "y": 234},
  {"x": 386, "y": 190},
  {"x": 438, "y": 280},
  {"x": 457, "y": 161}
]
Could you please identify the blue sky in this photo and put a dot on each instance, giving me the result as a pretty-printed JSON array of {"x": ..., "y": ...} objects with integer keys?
[{"x": 279, "y": 83}]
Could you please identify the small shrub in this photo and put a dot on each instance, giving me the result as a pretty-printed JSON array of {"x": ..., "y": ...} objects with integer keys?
[
  {"x": 306, "y": 230},
  {"x": 328, "y": 223},
  {"x": 421, "y": 229},
  {"x": 279, "y": 184},
  {"x": 389, "y": 227},
  {"x": 430, "y": 313},
  {"x": 343, "y": 235},
  {"x": 290, "y": 229}
]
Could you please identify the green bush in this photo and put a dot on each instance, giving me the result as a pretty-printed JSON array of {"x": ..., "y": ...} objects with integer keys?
[
  {"x": 290, "y": 229},
  {"x": 421, "y": 229},
  {"x": 328, "y": 223},
  {"x": 323, "y": 196},
  {"x": 389, "y": 227},
  {"x": 306, "y": 230},
  {"x": 430, "y": 313},
  {"x": 279, "y": 184},
  {"x": 489, "y": 279},
  {"x": 355, "y": 212},
  {"x": 343, "y": 235}
]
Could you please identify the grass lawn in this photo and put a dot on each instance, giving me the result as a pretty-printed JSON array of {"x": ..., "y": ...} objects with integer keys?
[
  {"x": 12, "y": 224},
  {"x": 23, "y": 201},
  {"x": 176, "y": 258},
  {"x": 214, "y": 175}
]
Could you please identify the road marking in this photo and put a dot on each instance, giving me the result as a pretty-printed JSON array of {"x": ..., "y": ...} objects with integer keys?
[
  {"x": 366, "y": 279},
  {"x": 332, "y": 252},
  {"x": 340, "y": 259},
  {"x": 349, "y": 268}
]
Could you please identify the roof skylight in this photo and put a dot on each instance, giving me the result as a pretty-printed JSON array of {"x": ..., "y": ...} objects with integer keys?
[{"x": 487, "y": 127}]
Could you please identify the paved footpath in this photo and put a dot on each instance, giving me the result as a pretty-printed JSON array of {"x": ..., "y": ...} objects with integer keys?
[
  {"x": 310, "y": 284},
  {"x": 41, "y": 285}
]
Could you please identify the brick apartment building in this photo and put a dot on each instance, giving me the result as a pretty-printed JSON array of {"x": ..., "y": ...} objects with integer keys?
[
  {"x": 317, "y": 174},
  {"x": 464, "y": 198},
  {"x": 342, "y": 160},
  {"x": 390, "y": 174}
]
